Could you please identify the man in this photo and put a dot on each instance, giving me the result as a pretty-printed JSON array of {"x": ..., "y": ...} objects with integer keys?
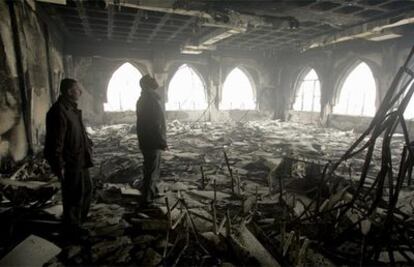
[
  {"x": 151, "y": 132},
  {"x": 68, "y": 151}
]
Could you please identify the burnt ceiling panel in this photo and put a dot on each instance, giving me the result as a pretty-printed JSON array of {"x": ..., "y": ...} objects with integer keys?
[{"x": 226, "y": 24}]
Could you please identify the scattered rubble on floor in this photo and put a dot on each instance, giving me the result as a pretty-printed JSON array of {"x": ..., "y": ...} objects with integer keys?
[
  {"x": 233, "y": 194},
  {"x": 33, "y": 251}
]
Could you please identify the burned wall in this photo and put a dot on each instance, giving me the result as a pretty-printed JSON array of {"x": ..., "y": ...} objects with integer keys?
[
  {"x": 32, "y": 65},
  {"x": 94, "y": 74},
  {"x": 333, "y": 65}
]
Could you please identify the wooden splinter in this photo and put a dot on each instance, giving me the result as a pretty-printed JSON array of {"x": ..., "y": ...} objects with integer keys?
[
  {"x": 213, "y": 207},
  {"x": 168, "y": 212},
  {"x": 228, "y": 224},
  {"x": 230, "y": 171},
  {"x": 238, "y": 183},
  {"x": 215, "y": 191},
  {"x": 164, "y": 254},
  {"x": 203, "y": 183}
]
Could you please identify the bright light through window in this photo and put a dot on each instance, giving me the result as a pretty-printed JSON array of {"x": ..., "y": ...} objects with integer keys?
[
  {"x": 237, "y": 92},
  {"x": 308, "y": 95},
  {"x": 123, "y": 89},
  {"x": 358, "y": 93},
  {"x": 186, "y": 91},
  {"x": 409, "y": 111}
]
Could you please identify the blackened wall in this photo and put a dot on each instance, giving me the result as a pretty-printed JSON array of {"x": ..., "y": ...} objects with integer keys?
[
  {"x": 32, "y": 66},
  {"x": 34, "y": 57},
  {"x": 333, "y": 64},
  {"x": 95, "y": 72}
]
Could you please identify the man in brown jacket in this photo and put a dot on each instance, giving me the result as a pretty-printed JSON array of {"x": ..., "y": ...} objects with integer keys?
[
  {"x": 151, "y": 131},
  {"x": 68, "y": 151}
]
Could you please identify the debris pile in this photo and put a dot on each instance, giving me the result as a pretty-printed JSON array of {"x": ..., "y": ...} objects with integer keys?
[
  {"x": 233, "y": 194},
  {"x": 31, "y": 184},
  {"x": 256, "y": 194}
]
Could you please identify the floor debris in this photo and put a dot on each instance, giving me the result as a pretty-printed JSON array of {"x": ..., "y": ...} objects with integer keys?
[
  {"x": 33, "y": 251},
  {"x": 264, "y": 202}
]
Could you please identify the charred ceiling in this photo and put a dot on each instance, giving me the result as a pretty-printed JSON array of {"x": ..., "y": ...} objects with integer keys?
[{"x": 197, "y": 26}]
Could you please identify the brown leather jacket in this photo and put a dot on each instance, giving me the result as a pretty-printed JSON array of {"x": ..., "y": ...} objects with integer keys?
[
  {"x": 151, "y": 128},
  {"x": 67, "y": 145}
]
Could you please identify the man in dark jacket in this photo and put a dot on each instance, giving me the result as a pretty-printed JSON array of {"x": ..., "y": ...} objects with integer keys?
[
  {"x": 68, "y": 151},
  {"x": 151, "y": 132}
]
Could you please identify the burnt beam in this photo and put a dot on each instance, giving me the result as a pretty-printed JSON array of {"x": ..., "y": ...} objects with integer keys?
[
  {"x": 113, "y": 49},
  {"x": 265, "y": 39},
  {"x": 135, "y": 24},
  {"x": 110, "y": 21},
  {"x": 161, "y": 24},
  {"x": 84, "y": 18},
  {"x": 181, "y": 29}
]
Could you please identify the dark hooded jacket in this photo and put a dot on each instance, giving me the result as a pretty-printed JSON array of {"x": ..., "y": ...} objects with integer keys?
[
  {"x": 151, "y": 128},
  {"x": 67, "y": 144}
]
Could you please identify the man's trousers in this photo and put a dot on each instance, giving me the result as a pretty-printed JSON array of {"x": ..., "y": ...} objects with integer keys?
[
  {"x": 76, "y": 196},
  {"x": 152, "y": 160}
]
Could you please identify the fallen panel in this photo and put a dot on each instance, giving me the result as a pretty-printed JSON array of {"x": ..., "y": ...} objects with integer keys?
[{"x": 33, "y": 251}]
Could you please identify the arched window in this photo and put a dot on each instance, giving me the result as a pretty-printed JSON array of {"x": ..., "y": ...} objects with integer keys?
[
  {"x": 186, "y": 91},
  {"x": 123, "y": 89},
  {"x": 308, "y": 95},
  {"x": 237, "y": 91},
  {"x": 358, "y": 93},
  {"x": 409, "y": 111}
]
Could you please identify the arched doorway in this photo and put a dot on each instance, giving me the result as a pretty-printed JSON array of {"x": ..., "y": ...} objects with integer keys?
[
  {"x": 186, "y": 90},
  {"x": 308, "y": 94},
  {"x": 123, "y": 89},
  {"x": 358, "y": 93},
  {"x": 238, "y": 92}
]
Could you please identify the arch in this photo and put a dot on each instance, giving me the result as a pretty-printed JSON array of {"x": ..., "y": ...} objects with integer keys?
[
  {"x": 123, "y": 88},
  {"x": 186, "y": 90},
  {"x": 358, "y": 92},
  {"x": 308, "y": 92},
  {"x": 238, "y": 91}
]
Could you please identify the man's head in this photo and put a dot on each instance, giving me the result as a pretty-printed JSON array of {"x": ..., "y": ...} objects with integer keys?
[
  {"x": 148, "y": 83},
  {"x": 70, "y": 89}
]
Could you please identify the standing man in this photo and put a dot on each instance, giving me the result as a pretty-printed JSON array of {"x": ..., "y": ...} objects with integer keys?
[
  {"x": 151, "y": 132},
  {"x": 68, "y": 151}
]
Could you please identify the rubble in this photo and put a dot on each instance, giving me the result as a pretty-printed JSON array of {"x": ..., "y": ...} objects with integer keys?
[
  {"x": 29, "y": 192},
  {"x": 262, "y": 193}
]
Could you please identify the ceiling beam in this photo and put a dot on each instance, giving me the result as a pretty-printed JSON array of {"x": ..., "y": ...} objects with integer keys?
[
  {"x": 78, "y": 47},
  {"x": 181, "y": 28},
  {"x": 134, "y": 27},
  {"x": 161, "y": 24},
  {"x": 83, "y": 17},
  {"x": 251, "y": 39},
  {"x": 267, "y": 41},
  {"x": 110, "y": 21},
  {"x": 362, "y": 31},
  {"x": 121, "y": 17}
]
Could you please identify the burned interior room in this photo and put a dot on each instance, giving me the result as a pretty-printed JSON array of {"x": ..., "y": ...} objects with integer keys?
[{"x": 206, "y": 133}]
